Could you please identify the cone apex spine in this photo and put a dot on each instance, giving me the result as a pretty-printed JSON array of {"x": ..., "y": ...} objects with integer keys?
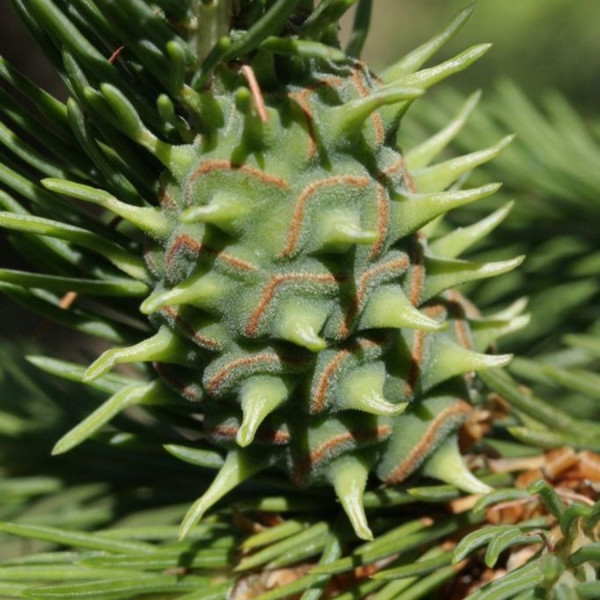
[
  {"x": 222, "y": 210},
  {"x": 200, "y": 290},
  {"x": 415, "y": 59},
  {"x": 304, "y": 335},
  {"x": 339, "y": 236},
  {"x": 446, "y": 464},
  {"x": 362, "y": 389},
  {"x": 428, "y": 77},
  {"x": 411, "y": 212},
  {"x": 455, "y": 242},
  {"x": 239, "y": 465},
  {"x": 163, "y": 345},
  {"x": 439, "y": 177},
  {"x": 389, "y": 307},
  {"x": 259, "y": 397},
  {"x": 462, "y": 360},
  {"x": 445, "y": 274},
  {"x": 348, "y": 120},
  {"x": 300, "y": 322},
  {"x": 423, "y": 154},
  {"x": 348, "y": 475}
]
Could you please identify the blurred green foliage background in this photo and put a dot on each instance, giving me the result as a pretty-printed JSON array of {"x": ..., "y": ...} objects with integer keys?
[{"x": 540, "y": 44}]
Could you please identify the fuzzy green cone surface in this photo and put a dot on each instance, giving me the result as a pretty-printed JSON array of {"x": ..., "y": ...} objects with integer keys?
[{"x": 295, "y": 299}]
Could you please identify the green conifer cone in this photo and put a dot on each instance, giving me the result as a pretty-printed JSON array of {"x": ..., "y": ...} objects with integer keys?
[{"x": 272, "y": 229}]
